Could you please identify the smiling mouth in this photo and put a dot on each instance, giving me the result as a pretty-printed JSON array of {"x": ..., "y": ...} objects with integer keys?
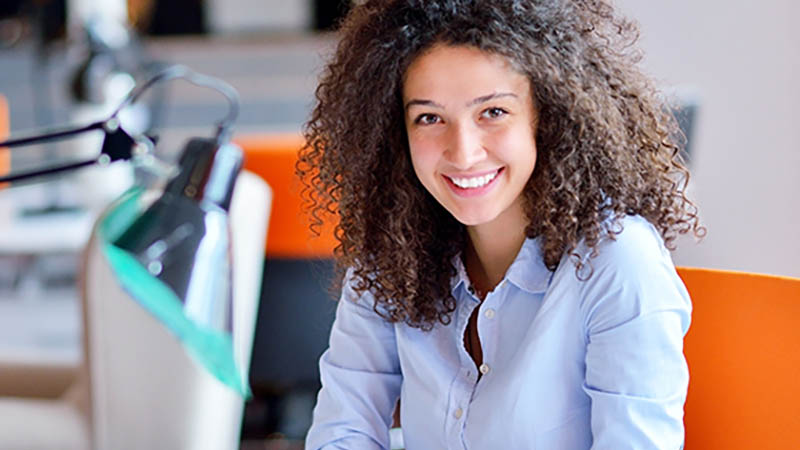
[{"x": 474, "y": 182}]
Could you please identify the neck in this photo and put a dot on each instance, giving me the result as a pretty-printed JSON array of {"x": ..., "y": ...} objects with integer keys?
[{"x": 492, "y": 247}]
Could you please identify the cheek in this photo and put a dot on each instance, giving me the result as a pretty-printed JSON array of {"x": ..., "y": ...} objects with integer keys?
[
  {"x": 518, "y": 146},
  {"x": 424, "y": 156},
  {"x": 527, "y": 158}
]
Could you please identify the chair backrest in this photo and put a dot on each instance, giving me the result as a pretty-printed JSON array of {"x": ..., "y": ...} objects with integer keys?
[
  {"x": 145, "y": 391},
  {"x": 298, "y": 266},
  {"x": 743, "y": 350},
  {"x": 273, "y": 157}
]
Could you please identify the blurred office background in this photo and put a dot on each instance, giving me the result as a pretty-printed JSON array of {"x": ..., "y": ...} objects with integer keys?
[
  {"x": 742, "y": 60},
  {"x": 735, "y": 63}
]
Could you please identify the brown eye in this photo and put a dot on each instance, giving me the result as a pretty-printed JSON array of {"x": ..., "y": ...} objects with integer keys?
[
  {"x": 426, "y": 119},
  {"x": 493, "y": 113}
]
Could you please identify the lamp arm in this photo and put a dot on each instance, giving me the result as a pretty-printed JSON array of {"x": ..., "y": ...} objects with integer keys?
[
  {"x": 184, "y": 73},
  {"x": 52, "y": 135},
  {"x": 118, "y": 143},
  {"x": 47, "y": 171}
]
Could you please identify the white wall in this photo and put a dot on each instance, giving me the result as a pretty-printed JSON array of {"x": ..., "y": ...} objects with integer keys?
[
  {"x": 744, "y": 58},
  {"x": 258, "y": 15}
]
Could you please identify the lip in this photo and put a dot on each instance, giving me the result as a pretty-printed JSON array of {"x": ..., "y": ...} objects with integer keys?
[
  {"x": 473, "y": 174},
  {"x": 474, "y": 192}
]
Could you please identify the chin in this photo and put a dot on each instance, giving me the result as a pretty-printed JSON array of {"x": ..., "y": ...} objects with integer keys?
[{"x": 472, "y": 218}]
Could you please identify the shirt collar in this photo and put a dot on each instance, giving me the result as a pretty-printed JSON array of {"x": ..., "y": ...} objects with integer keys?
[
  {"x": 461, "y": 277},
  {"x": 528, "y": 271}
]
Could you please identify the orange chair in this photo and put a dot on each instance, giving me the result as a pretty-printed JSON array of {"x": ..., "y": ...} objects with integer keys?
[
  {"x": 273, "y": 156},
  {"x": 743, "y": 350},
  {"x": 295, "y": 312}
]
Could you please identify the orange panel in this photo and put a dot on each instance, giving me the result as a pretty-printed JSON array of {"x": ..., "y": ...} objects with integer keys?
[
  {"x": 743, "y": 349},
  {"x": 5, "y": 155},
  {"x": 273, "y": 157}
]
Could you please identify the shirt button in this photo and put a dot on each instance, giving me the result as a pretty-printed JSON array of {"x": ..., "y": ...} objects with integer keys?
[
  {"x": 471, "y": 290},
  {"x": 505, "y": 283},
  {"x": 459, "y": 412},
  {"x": 484, "y": 369},
  {"x": 489, "y": 313}
]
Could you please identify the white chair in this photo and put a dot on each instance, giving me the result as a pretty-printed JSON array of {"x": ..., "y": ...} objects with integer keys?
[{"x": 138, "y": 388}]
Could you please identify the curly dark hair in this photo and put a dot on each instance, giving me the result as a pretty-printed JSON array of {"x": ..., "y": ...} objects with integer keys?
[{"x": 608, "y": 146}]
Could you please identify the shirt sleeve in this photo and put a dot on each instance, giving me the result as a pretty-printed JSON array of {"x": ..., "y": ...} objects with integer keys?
[
  {"x": 360, "y": 374},
  {"x": 637, "y": 313}
]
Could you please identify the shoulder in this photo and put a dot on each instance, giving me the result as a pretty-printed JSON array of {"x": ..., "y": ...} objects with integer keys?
[
  {"x": 360, "y": 302},
  {"x": 632, "y": 274},
  {"x": 635, "y": 251},
  {"x": 634, "y": 239}
]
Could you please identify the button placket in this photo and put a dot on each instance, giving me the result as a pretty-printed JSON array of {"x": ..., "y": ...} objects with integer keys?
[
  {"x": 464, "y": 384},
  {"x": 487, "y": 326},
  {"x": 464, "y": 313}
]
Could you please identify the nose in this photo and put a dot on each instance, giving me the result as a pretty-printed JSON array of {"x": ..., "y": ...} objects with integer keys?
[{"x": 464, "y": 146}]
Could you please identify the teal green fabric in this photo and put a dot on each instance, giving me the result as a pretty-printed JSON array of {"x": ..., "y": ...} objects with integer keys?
[{"x": 213, "y": 349}]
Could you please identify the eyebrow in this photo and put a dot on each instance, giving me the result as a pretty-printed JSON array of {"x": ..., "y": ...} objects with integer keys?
[
  {"x": 486, "y": 98},
  {"x": 423, "y": 103},
  {"x": 473, "y": 102}
]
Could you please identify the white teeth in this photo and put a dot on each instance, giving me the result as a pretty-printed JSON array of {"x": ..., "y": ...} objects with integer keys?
[{"x": 467, "y": 183}]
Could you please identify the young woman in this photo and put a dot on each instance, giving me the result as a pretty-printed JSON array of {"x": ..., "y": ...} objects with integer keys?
[{"x": 505, "y": 180}]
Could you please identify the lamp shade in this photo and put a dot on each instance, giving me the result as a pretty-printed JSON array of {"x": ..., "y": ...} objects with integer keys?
[{"x": 171, "y": 251}]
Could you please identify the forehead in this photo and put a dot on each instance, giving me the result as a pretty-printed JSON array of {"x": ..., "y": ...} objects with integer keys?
[{"x": 445, "y": 70}]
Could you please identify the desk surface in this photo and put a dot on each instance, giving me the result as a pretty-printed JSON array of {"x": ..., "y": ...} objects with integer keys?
[
  {"x": 41, "y": 331},
  {"x": 65, "y": 232}
]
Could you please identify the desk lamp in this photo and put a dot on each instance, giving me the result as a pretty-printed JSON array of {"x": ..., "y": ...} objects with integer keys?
[{"x": 170, "y": 249}]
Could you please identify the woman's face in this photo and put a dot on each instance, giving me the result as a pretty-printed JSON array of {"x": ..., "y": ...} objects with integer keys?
[{"x": 470, "y": 122}]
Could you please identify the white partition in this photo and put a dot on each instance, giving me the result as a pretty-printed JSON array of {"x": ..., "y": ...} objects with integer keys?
[{"x": 235, "y": 16}]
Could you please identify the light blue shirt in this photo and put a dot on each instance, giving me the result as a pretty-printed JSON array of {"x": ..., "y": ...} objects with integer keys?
[{"x": 569, "y": 364}]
